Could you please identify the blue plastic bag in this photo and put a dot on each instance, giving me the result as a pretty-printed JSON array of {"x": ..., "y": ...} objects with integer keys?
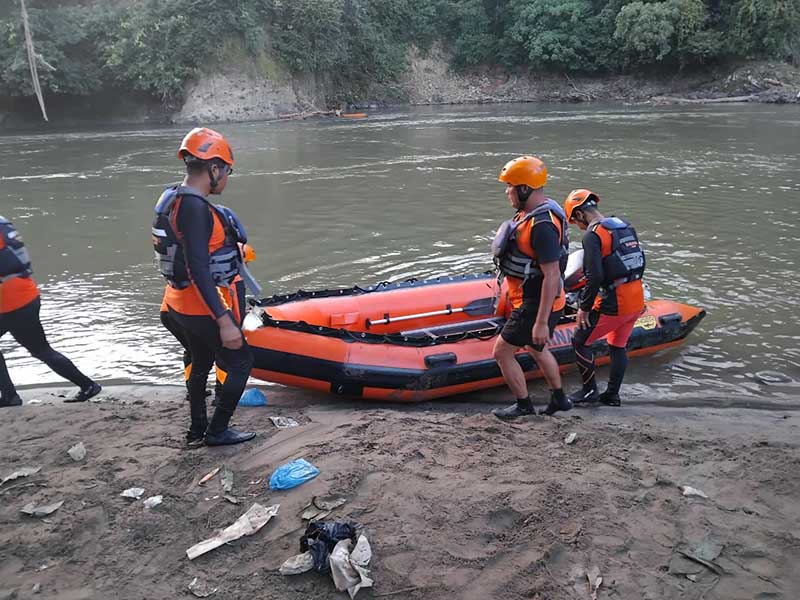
[
  {"x": 292, "y": 474},
  {"x": 253, "y": 397}
]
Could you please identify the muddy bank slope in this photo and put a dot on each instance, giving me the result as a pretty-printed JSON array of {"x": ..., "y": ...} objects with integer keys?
[
  {"x": 456, "y": 503},
  {"x": 244, "y": 92},
  {"x": 430, "y": 80}
]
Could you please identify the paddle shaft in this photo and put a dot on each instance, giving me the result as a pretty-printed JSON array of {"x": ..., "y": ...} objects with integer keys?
[{"x": 481, "y": 306}]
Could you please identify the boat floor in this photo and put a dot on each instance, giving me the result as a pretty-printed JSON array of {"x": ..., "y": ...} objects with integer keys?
[{"x": 475, "y": 326}]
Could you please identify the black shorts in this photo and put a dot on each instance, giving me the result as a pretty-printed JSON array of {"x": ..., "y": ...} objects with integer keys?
[{"x": 519, "y": 328}]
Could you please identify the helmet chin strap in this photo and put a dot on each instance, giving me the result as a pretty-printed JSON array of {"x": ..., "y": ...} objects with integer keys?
[
  {"x": 523, "y": 193},
  {"x": 212, "y": 181}
]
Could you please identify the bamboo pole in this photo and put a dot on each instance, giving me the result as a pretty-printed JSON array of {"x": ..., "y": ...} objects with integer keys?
[{"x": 37, "y": 88}]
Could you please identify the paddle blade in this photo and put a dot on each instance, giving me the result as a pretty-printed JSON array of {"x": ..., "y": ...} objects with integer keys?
[{"x": 482, "y": 306}]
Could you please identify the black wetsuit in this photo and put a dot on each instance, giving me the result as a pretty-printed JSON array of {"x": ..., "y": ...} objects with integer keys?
[
  {"x": 200, "y": 333},
  {"x": 26, "y": 327}
]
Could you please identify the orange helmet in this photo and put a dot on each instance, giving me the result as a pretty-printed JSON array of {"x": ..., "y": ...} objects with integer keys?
[
  {"x": 525, "y": 170},
  {"x": 247, "y": 251},
  {"x": 205, "y": 144},
  {"x": 577, "y": 199}
]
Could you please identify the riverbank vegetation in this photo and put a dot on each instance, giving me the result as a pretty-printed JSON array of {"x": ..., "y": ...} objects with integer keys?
[{"x": 158, "y": 47}]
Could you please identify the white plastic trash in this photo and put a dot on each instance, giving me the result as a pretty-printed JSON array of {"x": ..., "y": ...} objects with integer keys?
[
  {"x": 153, "y": 501},
  {"x": 133, "y": 493}
]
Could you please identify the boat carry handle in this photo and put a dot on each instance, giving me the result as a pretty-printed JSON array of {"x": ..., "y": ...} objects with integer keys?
[
  {"x": 670, "y": 319},
  {"x": 440, "y": 360},
  {"x": 481, "y": 306}
]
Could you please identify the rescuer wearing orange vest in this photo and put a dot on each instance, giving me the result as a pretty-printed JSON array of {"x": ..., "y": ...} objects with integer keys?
[
  {"x": 19, "y": 315},
  {"x": 248, "y": 256},
  {"x": 197, "y": 248},
  {"x": 613, "y": 299},
  {"x": 530, "y": 250}
]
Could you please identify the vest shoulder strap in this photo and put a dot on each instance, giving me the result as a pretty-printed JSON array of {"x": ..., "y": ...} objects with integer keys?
[
  {"x": 613, "y": 223},
  {"x": 605, "y": 235}
]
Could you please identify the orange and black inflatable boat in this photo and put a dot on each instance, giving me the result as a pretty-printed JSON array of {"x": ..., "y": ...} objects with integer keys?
[{"x": 416, "y": 340}]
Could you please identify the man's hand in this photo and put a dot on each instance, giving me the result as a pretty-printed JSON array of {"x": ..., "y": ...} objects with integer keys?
[
  {"x": 229, "y": 333},
  {"x": 540, "y": 334},
  {"x": 582, "y": 319}
]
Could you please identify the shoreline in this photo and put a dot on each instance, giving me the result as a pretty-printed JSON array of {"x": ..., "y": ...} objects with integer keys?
[
  {"x": 14, "y": 124},
  {"x": 238, "y": 96},
  {"x": 472, "y": 402},
  {"x": 456, "y": 504}
]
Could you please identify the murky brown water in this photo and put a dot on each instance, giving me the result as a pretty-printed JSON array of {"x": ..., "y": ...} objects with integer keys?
[{"x": 713, "y": 192}]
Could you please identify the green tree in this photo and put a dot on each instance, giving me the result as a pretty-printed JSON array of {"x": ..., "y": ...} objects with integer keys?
[
  {"x": 66, "y": 41},
  {"x": 669, "y": 31},
  {"x": 308, "y": 35},
  {"x": 767, "y": 28},
  {"x": 556, "y": 33},
  {"x": 85, "y": 46},
  {"x": 645, "y": 32},
  {"x": 467, "y": 26}
]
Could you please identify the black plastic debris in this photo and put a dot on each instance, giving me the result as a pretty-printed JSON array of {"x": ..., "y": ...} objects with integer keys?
[{"x": 320, "y": 539}]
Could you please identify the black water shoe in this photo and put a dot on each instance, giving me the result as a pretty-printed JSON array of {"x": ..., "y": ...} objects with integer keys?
[
  {"x": 13, "y": 401},
  {"x": 584, "y": 396},
  {"x": 522, "y": 408},
  {"x": 194, "y": 440},
  {"x": 228, "y": 437},
  {"x": 610, "y": 399},
  {"x": 86, "y": 393},
  {"x": 556, "y": 404}
]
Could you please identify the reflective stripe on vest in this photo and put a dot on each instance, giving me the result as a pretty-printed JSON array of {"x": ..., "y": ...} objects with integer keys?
[
  {"x": 14, "y": 258},
  {"x": 511, "y": 260}
]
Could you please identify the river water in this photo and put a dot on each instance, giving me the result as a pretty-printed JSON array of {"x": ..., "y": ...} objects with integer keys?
[{"x": 714, "y": 193}]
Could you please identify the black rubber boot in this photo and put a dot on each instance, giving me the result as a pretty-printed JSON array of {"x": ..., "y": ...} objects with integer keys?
[
  {"x": 619, "y": 362},
  {"x": 610, "y": 399},
  {"x": 86, "y": 393},
  {"x": 522, "y": 408},
  {"x": 15, "y": 400},
  {"x": 558, "y": 401},
  {"x": 199, "y": 425},
  {"x": 585, "y": 395},
  {"x": 228, "y": 437},
  {"x": 218, "y": 432}
]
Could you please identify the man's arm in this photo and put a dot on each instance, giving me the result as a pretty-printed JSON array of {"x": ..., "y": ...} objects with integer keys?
[
  {"x": 547, "y": 246},
  {"x": 195, "y": 225},
  {"x": 592, "y": 269}
]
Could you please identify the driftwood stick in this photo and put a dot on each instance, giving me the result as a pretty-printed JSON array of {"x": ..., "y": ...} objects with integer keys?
[{"x": 729, "y": 99}]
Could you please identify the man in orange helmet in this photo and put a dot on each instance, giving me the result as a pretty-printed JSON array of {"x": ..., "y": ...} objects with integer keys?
[
  {"x": 530, "y": 250},
  {"x": 196, "y": 245},
  {"x": 613, "y": 298},
  {"x": 19, "y": 315}
]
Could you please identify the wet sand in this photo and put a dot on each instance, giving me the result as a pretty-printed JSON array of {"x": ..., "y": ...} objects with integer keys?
[{"x": 456, "y": 503}]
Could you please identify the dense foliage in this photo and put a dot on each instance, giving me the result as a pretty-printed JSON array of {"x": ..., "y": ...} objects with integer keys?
[{"x": 157, "y": 47}]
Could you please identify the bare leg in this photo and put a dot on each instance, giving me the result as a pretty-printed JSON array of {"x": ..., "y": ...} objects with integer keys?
[
  {"x": 510, "y": 368},
  {"x": 549, "y": 366},
  {"x": 515, "y": 378}
]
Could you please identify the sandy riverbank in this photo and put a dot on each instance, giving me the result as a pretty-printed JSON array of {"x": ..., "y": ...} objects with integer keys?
[{"x": 456, "y": 503}]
